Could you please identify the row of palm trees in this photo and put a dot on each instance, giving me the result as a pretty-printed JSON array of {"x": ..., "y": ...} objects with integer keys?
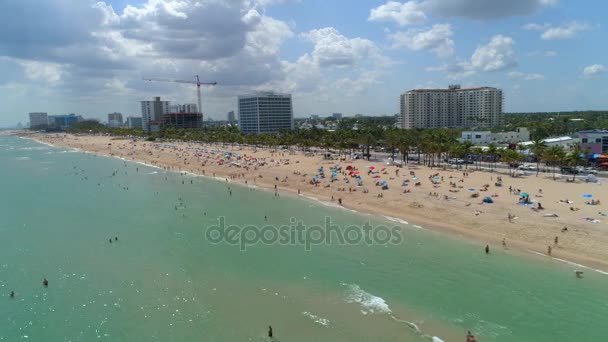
[{"x": 432, "y": 147}]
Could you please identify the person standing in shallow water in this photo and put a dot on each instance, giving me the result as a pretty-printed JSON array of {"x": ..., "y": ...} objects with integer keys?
[
  {"x": 270, "y": 331},
  {"x": 487, "y": 249},
  {"x": 45, "y": 283}
]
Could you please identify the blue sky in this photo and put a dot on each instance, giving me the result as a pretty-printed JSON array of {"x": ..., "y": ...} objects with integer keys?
[{"x": 352, "y": 57}]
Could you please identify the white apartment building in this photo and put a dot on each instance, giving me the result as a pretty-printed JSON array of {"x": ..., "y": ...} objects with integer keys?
[
  {"x": 265, "y": 112},
  {"x": 39, "y": 120},
  {"x": 453, "y": 107},
  {"x": 152, "y": 111},
  {"x": 115, "y": 120}
]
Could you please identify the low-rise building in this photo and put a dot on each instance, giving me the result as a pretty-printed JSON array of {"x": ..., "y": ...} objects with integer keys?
[
  {"x": 596, "y": 141},
  {"x": 483, "y": 138},
  {"x": 567, "y": 142}
]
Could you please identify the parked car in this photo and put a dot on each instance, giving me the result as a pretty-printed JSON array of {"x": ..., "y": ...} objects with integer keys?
[
  {"x": 567, "y": 170},
  {"x": 527, "y": 167}
]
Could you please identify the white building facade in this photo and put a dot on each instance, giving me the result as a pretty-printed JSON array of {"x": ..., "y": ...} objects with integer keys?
[
  {"x": 39, "y": 120},
  {"x": 265, "y": 113},
  {"x": 115, "y": 120},
  {"x": 152, "y": 111},
  {"x": 484, "y": 138},
  {"x": 453, "y": 107}
]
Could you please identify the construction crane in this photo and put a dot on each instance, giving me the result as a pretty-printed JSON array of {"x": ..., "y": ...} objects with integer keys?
[{"x": 198, "y": 87}]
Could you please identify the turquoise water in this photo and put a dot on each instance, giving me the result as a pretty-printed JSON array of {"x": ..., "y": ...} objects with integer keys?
[{"x": 162, "y": 280}]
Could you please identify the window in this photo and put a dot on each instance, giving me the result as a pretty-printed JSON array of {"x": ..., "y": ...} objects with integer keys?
[{"x": 584, "y": 140}]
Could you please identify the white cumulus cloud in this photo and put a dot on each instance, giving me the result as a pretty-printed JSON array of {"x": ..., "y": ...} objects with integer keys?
[
  {"x": 497, "y": 55},
  {"x": 406, "y": 13},
  {"x": 594, "y": 70},
  {"x": 438, "y": 39}
]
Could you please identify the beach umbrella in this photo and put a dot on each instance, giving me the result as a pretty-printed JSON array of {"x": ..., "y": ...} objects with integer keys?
[
  {"x": 604, "y": 164},
  {"x": 349, "y": 167},
  {"x": 524, "y": 194},
  {"x": 587, "y": 195},
  {"x": 372, "y": 167}
]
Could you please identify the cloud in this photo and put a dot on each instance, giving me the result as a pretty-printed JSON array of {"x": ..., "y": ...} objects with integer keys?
[
  {"x": 565, "y": 32},
  {"x": 594, "y": 70},
  {"x": 407, "y": 13},
  {"x": 333, "y": 49},
  {"x": 497, "y": 55},
  {"x": 436, "y": 39},
  {"x": 526, "y": 77},
  {"x": 42, "y": 72},
  {"x": 551, "y": 32}
]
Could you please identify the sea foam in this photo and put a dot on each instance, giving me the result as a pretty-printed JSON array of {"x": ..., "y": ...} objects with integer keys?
[{"x": 368, "y": 302}]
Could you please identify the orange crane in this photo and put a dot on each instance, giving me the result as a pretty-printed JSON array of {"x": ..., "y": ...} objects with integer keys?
[{"x": 198, "y": 87}]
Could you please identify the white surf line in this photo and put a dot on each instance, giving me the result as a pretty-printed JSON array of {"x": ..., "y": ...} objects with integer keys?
[{"x": 568, "y": 262}]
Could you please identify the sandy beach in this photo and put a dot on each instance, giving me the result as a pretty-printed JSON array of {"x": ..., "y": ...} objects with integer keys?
[{"x": 445, "y": 200}]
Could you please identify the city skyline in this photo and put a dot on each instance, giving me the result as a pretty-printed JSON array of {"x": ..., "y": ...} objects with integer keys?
[{"x": 545, "y": 55}]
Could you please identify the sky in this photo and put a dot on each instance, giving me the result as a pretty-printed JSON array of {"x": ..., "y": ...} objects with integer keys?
[{"x": 353, "y": 57}]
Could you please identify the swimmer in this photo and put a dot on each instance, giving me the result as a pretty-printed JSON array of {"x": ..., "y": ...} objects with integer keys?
[
  {"x": 45, "y": 283},
  {"x": 487, "y": 249},
  {"x": 12, "y": 295},
  {"x": 270, "y": 331},
  {"x": 579, "y": 274}
]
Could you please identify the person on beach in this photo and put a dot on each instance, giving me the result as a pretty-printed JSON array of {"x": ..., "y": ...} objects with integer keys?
[
  {"x": 471, "y": 337},
  {"x": 549, "y": 249},
  {"x": 504, "y": 243}
]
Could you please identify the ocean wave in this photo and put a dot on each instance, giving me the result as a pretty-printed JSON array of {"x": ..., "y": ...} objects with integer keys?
[
  {"x": 369, "y": 302},
  {"x": 319, "y": 320},
  {"x": 23, "y": 158},
  {"x": 398, "y": 220},
  {"x": 39, "y": 148},
  {"x": 568, "y": 262}
]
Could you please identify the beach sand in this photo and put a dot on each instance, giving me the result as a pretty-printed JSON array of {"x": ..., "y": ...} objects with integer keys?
[{"x": 434, "y": 204}]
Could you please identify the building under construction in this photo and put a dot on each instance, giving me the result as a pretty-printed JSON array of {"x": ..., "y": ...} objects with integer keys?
[{"x": 182, "y": 120}]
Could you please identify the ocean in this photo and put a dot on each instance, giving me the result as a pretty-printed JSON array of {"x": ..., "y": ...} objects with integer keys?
[{"x": 171, "y": 276}]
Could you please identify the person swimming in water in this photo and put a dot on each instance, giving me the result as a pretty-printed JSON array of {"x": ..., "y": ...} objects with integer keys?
[
  {"x": 270, "y": 331},
  {"x": 45, "y": 283},
  {"x": 12, "y": 294},
  {"x": 487, "y": 249}
]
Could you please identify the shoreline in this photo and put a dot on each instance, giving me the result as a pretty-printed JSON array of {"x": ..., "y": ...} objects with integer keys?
[{"x": 415, "y": 222}]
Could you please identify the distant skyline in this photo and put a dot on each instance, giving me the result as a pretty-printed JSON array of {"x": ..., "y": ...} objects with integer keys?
[{"x": 89, "y": 57}]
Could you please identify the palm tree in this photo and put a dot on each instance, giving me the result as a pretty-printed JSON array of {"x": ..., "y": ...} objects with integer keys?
[
  {"x": 538, "y": 148},
  {"x": 575, "y": 158},
  {"x": 510, "y": 157},
  {"x": 555, "y": 155},
  {"x": 492, "y": 152}
]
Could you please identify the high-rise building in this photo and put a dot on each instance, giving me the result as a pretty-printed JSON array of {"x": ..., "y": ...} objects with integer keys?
[
  {"x": 152, "y": 112},
  {"x": 231, "y": 117},
  {"x": 115, "y": 120},
  {"x": 265, "y": 112},
  {"x": 39, "y": 120},
  {"x": 63, "y": 121},
  {"x": 134, "y": 122},
  {"x": 453, "y": 107}
]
